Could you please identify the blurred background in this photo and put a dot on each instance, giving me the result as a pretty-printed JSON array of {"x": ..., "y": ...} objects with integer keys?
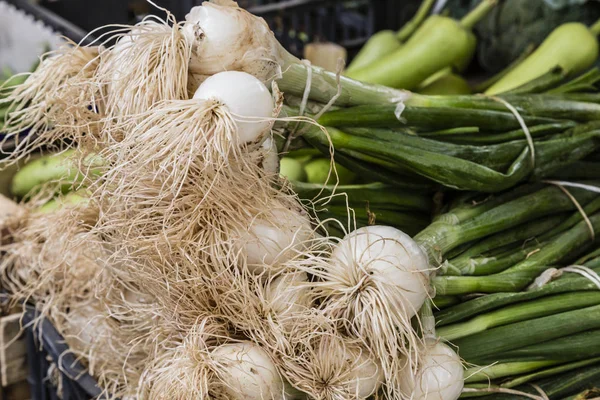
[{"x": 503, "y": 35}]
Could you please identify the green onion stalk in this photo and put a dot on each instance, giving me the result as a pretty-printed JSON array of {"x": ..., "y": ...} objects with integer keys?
[
  {"x": 540, "y": 335},
  {"x": 465, "y": 142},
  {"x": 571, "y": 382},
  {"x": 262, "y": 56},
  {"x": 500, "y": 251}
]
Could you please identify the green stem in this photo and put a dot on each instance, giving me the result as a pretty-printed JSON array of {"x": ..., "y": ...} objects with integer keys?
[
  {"x": 477, "y": 138},
  {"x": 569, "y": 282},
  {"x": 569, "y": 348},
  {"x": 380, "y": 174},
  {"x": 478, "y": 13},
  {"x": 411, "y": 26},
  {"x": 470, "y": 207},
  {"x": 475, "y": 262},
  {"x": 519, "y": 276},
  {"x": 446, "y": 114},
  {"x": 541, "y": 84},
  {"x": 549, "y": 372},
  {"x": 375, "y": 194},
  {"x": 324, "y": 86},
  {"x": 520, "y": 312},
  {"x": 557, "y": 386},
  {"x": 490, "y": 343},
  {"x": 441, "y": 302},
  {"x": 514, "y": 235},
  {"x": 583, "y": 82},
  {"x": 440, "y": 237},
  {"x": 439, "y": 167},
  {"x": 588, "y": 394},
  {"x": 493, "y": 264},
  {"x": 427, "y": 321},
  {"x": 485, "y": 373}
]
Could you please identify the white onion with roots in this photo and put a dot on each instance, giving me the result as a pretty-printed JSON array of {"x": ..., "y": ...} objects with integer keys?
[
  {"x": 375, "y": 281},
  {"x": 288, "y": 295},
  {"x": 247, "y": 373},
  {"x": 227, "y": 38},
  {"x": 365, "y": 376},
  {"x": 440, "y": 375},
  {"x": 248, "y": 100},
  {"x": 273, "y": 238},
  {"x": 324, "y": 364}
]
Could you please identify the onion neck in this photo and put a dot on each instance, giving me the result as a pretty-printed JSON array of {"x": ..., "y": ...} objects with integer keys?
[{"x": 325, "y": 85}]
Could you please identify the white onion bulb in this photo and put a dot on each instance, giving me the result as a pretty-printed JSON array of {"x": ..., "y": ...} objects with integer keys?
[
  {"x": 391, "y": 258},
  {"x": 440, "y": 375},
  {"x": 274, "y": 238},
  {"x": 248, "y": 373},
  {"x": 288, "y": 294},
  {"x": 247, "y": 98},
  {"x": 365, "y": 376},
  {"x": 228, "y": 38}
]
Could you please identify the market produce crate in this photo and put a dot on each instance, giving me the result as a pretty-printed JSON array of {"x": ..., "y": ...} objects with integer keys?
[{"x": 54, "y": 372}]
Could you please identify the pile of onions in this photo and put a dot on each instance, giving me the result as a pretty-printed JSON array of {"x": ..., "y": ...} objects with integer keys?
[{"x": 210, "y": 265}]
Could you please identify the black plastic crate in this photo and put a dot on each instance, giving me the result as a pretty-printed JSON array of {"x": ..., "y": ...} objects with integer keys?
[
  {"x": 295, "y": 22},
  {"x": 50, "y": 362}
]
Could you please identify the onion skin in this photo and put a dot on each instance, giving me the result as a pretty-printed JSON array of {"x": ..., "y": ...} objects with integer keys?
[
  {"x": 270, "y": 157},
  {"x": 288, "y": 294}
]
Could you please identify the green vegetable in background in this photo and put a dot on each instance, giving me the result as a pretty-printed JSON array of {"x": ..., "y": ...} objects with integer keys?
[
  {"x": 514, "y": 25},
  {"x": 573, "y": 47},
  {"x": 292, "y": 169},
  {"x": 78, "y": 197},
  {"x": 444, "y": 82},
  {"x": 387, "y": 41},
  {"x": 317, "y": 171},
  {"x": 439, "y": 43},
  {"x": 59, "y": 169}
]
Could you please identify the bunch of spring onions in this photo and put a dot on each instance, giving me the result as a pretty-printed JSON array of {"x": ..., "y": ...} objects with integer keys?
[{"x": 202, "y": 273}]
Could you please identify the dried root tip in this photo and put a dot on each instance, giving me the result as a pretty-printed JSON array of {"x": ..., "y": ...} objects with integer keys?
[
  {"x": 110, "y": 354},
  {"x": 48, "y": 260},
  {"x": 55, "y": 103},
  {"x": 148, "y": 65}
]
